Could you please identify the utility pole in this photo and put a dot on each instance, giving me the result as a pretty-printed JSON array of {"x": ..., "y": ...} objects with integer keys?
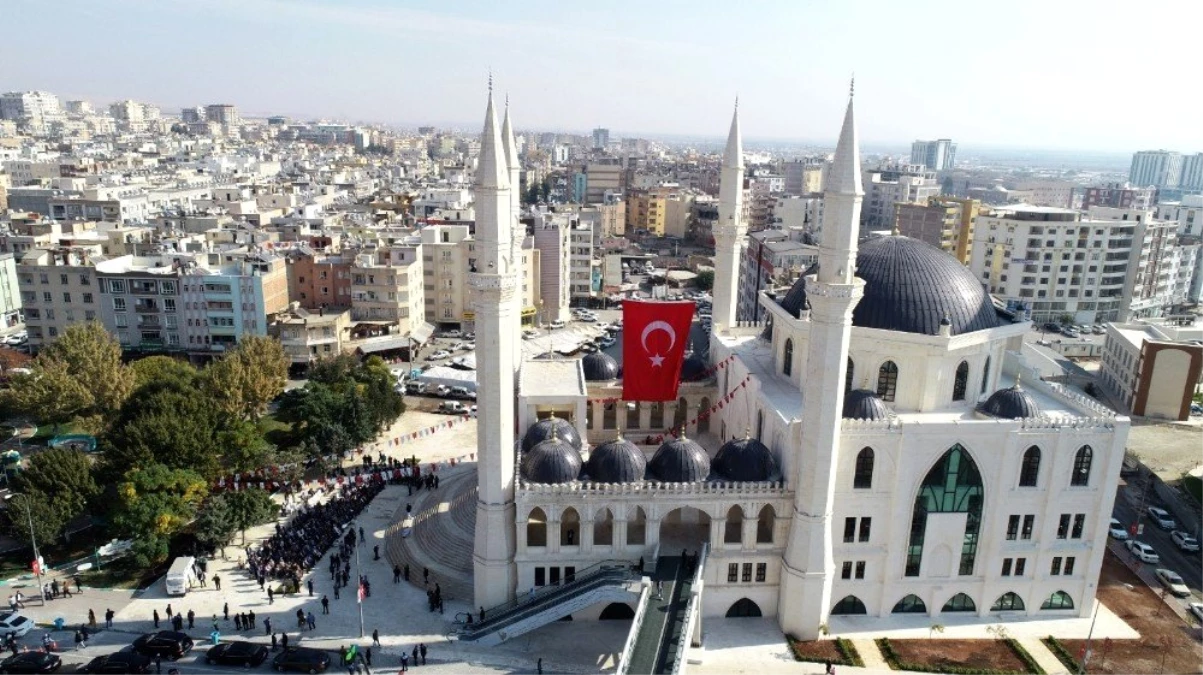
[
  {"x": 359, "y": 585},
  {"x": 37, "y": 559}
]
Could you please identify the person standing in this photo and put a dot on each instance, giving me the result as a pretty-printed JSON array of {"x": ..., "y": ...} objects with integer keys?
[
  {"x": 422, "y": 651},
  {"x": 108, "y": 618},
  {"x": 539, "y": 665},
  {"x": 325, "y": 605},
  {"x": 191, "y": 619},
  {"x": 267, "y": 627},
  {"x": 92, "y": 619},
  {"x": 225, "y": 610},
  {"x": 156, "y": 614},
  {"x": 404, "y": 662},
  {"x": 216, "y": 582},
  {"x": 376, "y": 637},
  {"x": 312, "y": 621},
  {"x": 284, "y": 641},
  {"x": 414, "y": 655},
  {"x": 271, "y": 596},
  {"x": 310, "y": 584},
  {"x": 275, "y": 644}
]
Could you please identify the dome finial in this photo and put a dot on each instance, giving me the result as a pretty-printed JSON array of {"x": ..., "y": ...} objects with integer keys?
[
  {"x": 1018, "y": 377},
  {"x": 747, "y": 433}
]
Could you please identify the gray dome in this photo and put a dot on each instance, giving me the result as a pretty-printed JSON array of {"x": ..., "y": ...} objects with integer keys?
[
  {"x": 910, "y": 287},
  {"x": 545, "y": 429},
  {"x": 1010, "y": 404},
  {"x": 693, "y": 368},
  {"x": 599, "y": 367},
  {"x": 680, "y": 460},
  {"x": 745, "y": 459},
  {"x": 552, "y": 461},
  {"x": 862, "y": 404},
  {"x": 616, "y": 461}
]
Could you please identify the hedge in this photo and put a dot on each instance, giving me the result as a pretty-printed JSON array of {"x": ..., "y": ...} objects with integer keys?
[
  {"x": 848, "y": 654},
  {"x": 1024, "y": 656},
  {"x": 1062, "y": 654},
  {"x": 895, "y": 662}
]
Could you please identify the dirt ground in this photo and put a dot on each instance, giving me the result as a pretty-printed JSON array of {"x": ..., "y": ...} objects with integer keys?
[
  {"x": 1168, "y": 449},
  {"x": 992, "y": 654},
  {"x": 1167, "y": 645},
  {"x": 819, "y": 650}
]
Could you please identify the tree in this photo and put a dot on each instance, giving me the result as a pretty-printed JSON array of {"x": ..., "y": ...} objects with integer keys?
[
  {"x": 704, "y": 280},
  {"x": 49, "y": 393},
  {"x": 156, "y": 369},
  {"x": 214, "y": 523},
  {"x": 532, "y": 195},
  {"x": 94, "y": 356},
  {"x": 64, "y": 477},
  {"x": 248, "y": 378},
  {"x": 164, "y": 423},
  {"x": 153, "y": 504},
  {"x": 243, "y": 447},
  {"x": 251, "y": 507},
  {"x": 47, "y": 523}
]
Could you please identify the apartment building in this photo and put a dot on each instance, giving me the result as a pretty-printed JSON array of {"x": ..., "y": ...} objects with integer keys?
[
  {"x": 1156, "y": 168},
  {"x": 888, "y": 186},
  {"x": 446, "y": 261},
  {"x": 1117, "y": 195},
  {"x": 943, "y": 222},
  {"x": 316, "y": 280},
  {"x": 939, "y": 155},
  {"x": 551, "y": 238},
  {"x": 580, "y": 262},
  {"x": 602, "y": 178},
  {"x": 1153, "y": 367},
  {"x": 58, "y": 288},
  {"x": 310, "y": 336},
  {"x": 769, "y": 258},
  {"x": 646, "y": 211},
  {"x": 386, "y": 288},
  {"x": 11, "y": 318},
  {"x": 804, "y": 176}
]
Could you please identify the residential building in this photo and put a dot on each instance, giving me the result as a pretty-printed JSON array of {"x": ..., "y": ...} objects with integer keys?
[
  {"x": 447, "y": 259},
  {"x": 1192, "y": 172},
  {"x": 602, "y": 178},
  {"x": 601, "y": 138},
  {"x": 1115, "y": 195},
  {"x": 804, "y": 176},
  {"x": 943, "y": 222},
  {"x": 58, "y": 288},
  {"x": 308, "y": 336},
  {"x": 937, "y": 155},
  {"x": 580, "y": 262},
  {"x": 316, "y": 280},
  {"x": 552, "y": 238},
  {"x": 888, "y": 186},
  {"x": 223, "y": 114},
  {"x": 387, "y": 288},
  {"x": 769, "y": 259},
  {"x": 11, "y": 317},
  {"x": 646, "y": 211},
  {"x": 1153, "y": 367},
  {"x": 1156, "y": 168},
  {"x": 33, "y": 107}
]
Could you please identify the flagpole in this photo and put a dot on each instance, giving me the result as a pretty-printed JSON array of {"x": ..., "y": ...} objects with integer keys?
[{"x": 359, "y": 585}]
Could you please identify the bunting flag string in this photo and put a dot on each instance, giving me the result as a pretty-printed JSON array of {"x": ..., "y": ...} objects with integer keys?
[
  {"x": 705, "y": 374},
  {"x": 704, "y": 414}
]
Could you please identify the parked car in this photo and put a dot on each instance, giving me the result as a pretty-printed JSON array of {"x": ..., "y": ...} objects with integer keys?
[
  {"x": 1098, "y": 330},
  {"x": 416, "y": 388},
  {"x": 1052, "y": 326},
  {"x": 1184, "y": 541},
  {"x": 31, "y": 662},
  {"x": 606, "y": 342},
  {"x": 556, "y": 324},
  {"x": 453, "y": 333},
  {"x": 462, "y": 393},
  {"x": 469, "y": 336},
  {"x": 1173, "y": 581},
  {"x": 438, "y": 356},
  {"x": 118, "y": 662},
  {"x": 1196, "y": 608},
  {"x": 166, "y": 643},
  {"x": 442, "y": 391},
  {"x": 1142, "y": 551},
  {"x": 239, "y": 653},
  {"x": 302, "y": 660},
  {"x": 11, "y": 622},
  {"x": 1162, "y": 518},
  {"x": 529, "y": 333},
  {"x": 452, "y": 408},
  {"x": 1117, "y": 530}
]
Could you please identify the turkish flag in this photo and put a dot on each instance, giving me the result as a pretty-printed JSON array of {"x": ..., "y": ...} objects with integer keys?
[{"x": 654, "y": 338}]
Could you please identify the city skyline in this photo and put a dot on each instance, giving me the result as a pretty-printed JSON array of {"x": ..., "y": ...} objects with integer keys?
[{"x": 578, "y": 68}]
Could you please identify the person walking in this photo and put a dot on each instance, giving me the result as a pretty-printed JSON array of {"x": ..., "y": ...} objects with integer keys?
[
  {"x": 367, "y": 657},
  {"x": 216, "y": 582},
  {"x": 325, "y": 605},
  {"x": 158, "y": 663},
  {"x": 267, "y": 627},
  {"x": 312, "y": 621},
  {"x": 156, "y": 618},
  {"x": 275, "y": 644},
  {"x": 376, "y": 637},
  {"x": 422, "y": 651},
  {"x": 284, "y": 641},
  {"x": 310, "y": 584},
  {"x": 271, "y": 596},
  {"x": 191, "y": 619},
  {"x": 92, "y": 619}
]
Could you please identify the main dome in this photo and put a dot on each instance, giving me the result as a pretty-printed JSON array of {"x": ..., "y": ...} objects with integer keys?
[{"x": 910, "y": 286}]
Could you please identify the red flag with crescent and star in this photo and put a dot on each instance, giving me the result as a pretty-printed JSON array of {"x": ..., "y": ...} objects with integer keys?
[{"x": 654, "y": 338}]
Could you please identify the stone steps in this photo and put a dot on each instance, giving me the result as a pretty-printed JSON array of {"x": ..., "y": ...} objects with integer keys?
[{"x": 442, "y": 537}]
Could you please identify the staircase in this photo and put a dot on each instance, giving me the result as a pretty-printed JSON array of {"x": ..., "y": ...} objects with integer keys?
[
  {"x": 663, "y": 626},
  {"x": 608, "y": 581},
  {"x": 442, "y": 537}
]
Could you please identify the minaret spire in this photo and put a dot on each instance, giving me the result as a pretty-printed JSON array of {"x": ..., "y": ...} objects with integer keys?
[
  {"x": 730, "y": 231},
  {"x": 493, "y": 169}
]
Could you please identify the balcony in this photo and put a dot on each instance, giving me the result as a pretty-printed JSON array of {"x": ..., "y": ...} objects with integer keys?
[{"x": 146, "y": 308}]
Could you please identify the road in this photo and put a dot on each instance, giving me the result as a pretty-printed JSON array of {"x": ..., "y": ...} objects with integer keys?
[{"x": 1186, "y": 564}]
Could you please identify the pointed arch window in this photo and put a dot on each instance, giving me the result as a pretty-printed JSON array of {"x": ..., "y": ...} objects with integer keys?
[
  {"x": 849, "y": 376},
  {"x": 1008, "y": 602},
  {"x": 1029, "y": 473},
  {"x": 863, "y": 480},
  {"x": 911, "y": 604},
  {"x": 887, "y": 381},
  {"x": 954, "y": 485},
  {"x": 986, "y": 375},
  {"x": 787, "y": 357},
  {"x": 960, "y": 603},
  {"x": 1082, "y": 462},
  {"x": 849, "y": 605},
  {"x": 1058, "y": 600},
  {"x": 961, "y": 382}
]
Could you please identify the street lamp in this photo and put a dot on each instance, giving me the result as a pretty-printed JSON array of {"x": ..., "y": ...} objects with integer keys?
[{"x": 37, "y": 559}]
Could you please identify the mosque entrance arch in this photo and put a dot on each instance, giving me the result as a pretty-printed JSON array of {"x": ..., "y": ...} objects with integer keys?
[
  {"x": 743, "y": 608},
  {"x": 684, "y": 528}
]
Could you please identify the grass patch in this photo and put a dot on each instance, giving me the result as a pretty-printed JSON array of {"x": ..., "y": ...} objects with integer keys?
[
  {"x": 1054, "y": 645},
  {"x": 839, "y": 651},
  {"x": 897, "y": 662},
  {"x": 82, "y": 545},
  {"x": 118, "y": 574}
]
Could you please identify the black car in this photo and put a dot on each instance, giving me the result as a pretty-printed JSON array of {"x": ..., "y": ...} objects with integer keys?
[
  {"x": 302, "y": 660},
  {"x": 166, "y": 643},
  {"x": 119, "y": 662},
  {"x": 31, "y": 662},
  {"x": 246, "y": 654}
]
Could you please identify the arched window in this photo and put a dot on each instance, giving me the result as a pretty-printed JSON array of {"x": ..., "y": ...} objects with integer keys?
[
  {"x": 849, "y": 605},
  {"x": 570, "y": 527},
  {"x": 656, "y": 419},
  {"x": 764, "y": 524},
  {"x": 986, "y": 375},
  {"x": 633, "y": 415},
  {"x": 733, "y": 531},
  {"x": 959, "y": 603},
  {"x": 848, "y": 376},
  {"x": 911, "y": 604},
  {"x": 954, "y": 485},
  {"x": 787, "y": 357},
  {"x": 1030, "y": 471},
  {"x": 610, "y": 416},
  {"x": 1058, "y": 600},
  {"x": 637, "y": 528},
  {"x": 704, "y": 416},
  {"x": 681, "y": 415},
  {"x": 961, "y": 382},
  {"x": 603, "y": 528},
  {"x": 887, "y": 381},
  {"x": 1007, "y": 602},
  {"x": 1081, "y": 474},
  {"x": 864, "y": 470},
  {"x": 536, "y": 528},
  {"x": 760, "y": 425}
]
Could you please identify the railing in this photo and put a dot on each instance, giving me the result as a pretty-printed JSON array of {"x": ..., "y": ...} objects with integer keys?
[
  {"x": 499, "y": 615},
  {"x": 691, "y": 611},
  {"x": 624, "y": 660},
  {"x": 766, "y": 488}
]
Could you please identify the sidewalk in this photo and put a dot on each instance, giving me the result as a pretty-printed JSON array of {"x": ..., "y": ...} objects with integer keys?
[{"x": 1044, "y": 657}]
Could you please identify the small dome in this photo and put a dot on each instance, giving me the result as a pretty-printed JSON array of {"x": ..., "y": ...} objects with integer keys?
[
  {"x": 599, "y": 367},
  {"x": 545, "y": 429},
  {"x": 745, "y": 459},
  {"x": 1011, "y": 404},
  {"x": 862, "y": 404},
  {"x": 694, "y": 368},
  {"x": 680, "y": 460},
  {"x": 616, "y": 461},
  {"x": 551, "y": 461}
]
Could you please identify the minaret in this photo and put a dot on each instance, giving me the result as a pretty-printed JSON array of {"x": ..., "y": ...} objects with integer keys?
[
  {"x": 730, "y": 230},
  {"x": 514, "y": 171},
  {"x": 808, "y": 568},
  {"x": 493, "y": 286}
]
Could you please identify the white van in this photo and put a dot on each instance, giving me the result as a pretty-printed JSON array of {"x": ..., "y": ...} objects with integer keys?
[{"x": 181, "y": 576}]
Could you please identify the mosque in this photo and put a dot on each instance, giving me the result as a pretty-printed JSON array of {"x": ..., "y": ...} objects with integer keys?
[{"x": 876, "y": 446}]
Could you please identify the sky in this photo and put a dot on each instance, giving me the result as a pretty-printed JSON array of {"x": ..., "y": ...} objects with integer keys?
[{"x": 1098, "y": 75}]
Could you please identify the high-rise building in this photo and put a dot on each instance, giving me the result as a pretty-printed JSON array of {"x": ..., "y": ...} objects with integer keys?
[
  {"x": 32, "y": 107},
  {"x": 943, "y": 222},
  {"x": 935, "y": 155},
  {"x": 804, "y": 176},
  {"x": 602, "y": 178},
  {"x": 601, "y": 138},
  {"x": 222, "y": 113},
  {"x": 1156, "y": 168},
  {"x": 1192, "y": 172},
  {"x": 892, "y": 185}
]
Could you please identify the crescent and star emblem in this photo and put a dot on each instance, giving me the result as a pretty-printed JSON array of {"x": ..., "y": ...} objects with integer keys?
[{"x": 656, "y": 359}]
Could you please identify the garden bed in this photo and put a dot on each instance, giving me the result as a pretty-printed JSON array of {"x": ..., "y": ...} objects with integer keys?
[
  {"x": 840, "y": 652},
  {"x": 953, "y": 656}
]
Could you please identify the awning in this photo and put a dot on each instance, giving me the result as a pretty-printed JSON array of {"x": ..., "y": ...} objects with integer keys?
[
  {"x": 422, "y": 332},
  {"x": 384, "y": 344}
]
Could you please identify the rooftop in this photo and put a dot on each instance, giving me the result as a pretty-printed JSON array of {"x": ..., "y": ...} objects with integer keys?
[{"x": 553, "y": 378}]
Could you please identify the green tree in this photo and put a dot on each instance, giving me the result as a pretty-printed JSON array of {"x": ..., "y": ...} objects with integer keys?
[
  {"x": 243, "y": 447},
  {"x": 167, "y": 424},
  {"x": 251, "y": 507},
  {"x": 153, "y": 504},
  {"x": 215, "y": 523},
  {"x": 49, "y": 393},
  {"x": 704, "y": 280},
  {"x": 532, "y": 195},
  {"x": 248, "y": 378},
  {"x": 157, "y": 369},
  {"x": 46, "y": 519},
  {"x": 64, "y": 474},
  {"x": 94, "y": 356}
]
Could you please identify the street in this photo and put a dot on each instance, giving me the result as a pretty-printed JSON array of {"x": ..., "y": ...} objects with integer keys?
[{"x": 1127, "y": 504}]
